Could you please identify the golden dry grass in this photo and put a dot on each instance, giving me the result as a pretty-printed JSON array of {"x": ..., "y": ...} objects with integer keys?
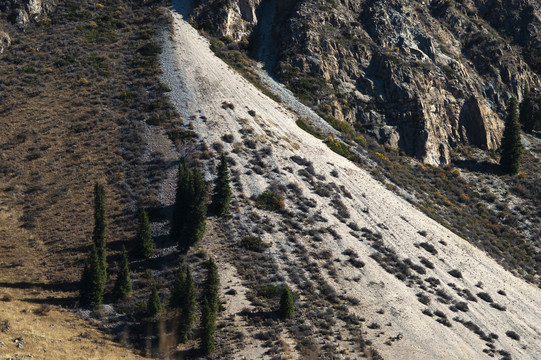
[{"x": 59, "y": 135}]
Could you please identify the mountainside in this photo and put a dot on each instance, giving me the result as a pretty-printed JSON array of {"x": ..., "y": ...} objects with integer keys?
[
  {"x": 386, "y": 256},
  {"x": 358, "y": 256},
  {"x": 422, "y": 75}
]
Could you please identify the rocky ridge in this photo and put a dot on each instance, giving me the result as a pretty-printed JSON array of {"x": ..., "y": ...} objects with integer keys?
[{"x": 423, "y": 76}]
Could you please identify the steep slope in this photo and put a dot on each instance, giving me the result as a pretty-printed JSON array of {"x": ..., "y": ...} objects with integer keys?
[
  {"x": 424, "y": 76},
  {"x": 342, "y": 229}
]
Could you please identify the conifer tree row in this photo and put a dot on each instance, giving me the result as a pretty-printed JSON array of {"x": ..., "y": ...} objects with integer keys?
[
  {"x": 222, "y": 189},
  {"x": 144, "y": 246},
  {"x": 511, "y": 146},
  {"x": 188, "y": 223},
  {"x": 123, "y": 288}
]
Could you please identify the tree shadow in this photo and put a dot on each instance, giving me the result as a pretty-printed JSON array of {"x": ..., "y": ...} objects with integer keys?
[
  {"x": 483, "y": 167},
  {"x": 57, "y": 286},
  {"x": 160, "y": 213}
]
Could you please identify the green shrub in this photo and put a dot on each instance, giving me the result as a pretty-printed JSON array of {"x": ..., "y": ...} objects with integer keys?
[
  {"x": 269, "y": 200},
  {"x": 269, "y": 291},
  {"x": 303, "y": 124},
  {"x": 253, "y": 243},
  {"x": 342, "y": 149}
]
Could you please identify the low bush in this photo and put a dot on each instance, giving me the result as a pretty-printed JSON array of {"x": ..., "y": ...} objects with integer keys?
[
  {"x": 513, "y": 335},
  {"x": 253, "y": 243},
  {"x": 485, "y": 296},
  {"x": 269, "y": 200}
]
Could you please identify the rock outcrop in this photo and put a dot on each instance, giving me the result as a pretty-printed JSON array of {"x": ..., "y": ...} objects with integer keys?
[
  {"x": 21, "y": 12},
  {"x": 424, "y": 76}
]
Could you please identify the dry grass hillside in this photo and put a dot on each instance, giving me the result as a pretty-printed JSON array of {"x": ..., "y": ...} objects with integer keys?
[{"x": 74, "y": 90}]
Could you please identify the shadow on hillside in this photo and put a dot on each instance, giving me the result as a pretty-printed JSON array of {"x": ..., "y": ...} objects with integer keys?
[
  {"x": 263, "y": 315},
  {"x": 59, "y": 286},
  {"x": 483, "y": 167},
  {"x": 63, "y": 301},
  {"x": 183, "y": 7},
  {"x": 161, "y": 213}
]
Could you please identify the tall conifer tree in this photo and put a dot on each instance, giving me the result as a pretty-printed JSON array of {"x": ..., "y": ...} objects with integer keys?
[
  {"x": 188, "y": 223},
  {"x": 144, "y": 246},
  {"x": 177, "y": 294},
  {"x": 91, "y": 284},
  {"x": 123, "y": 286},
  {"x": 100, "y": 228},
  {"x": 208, "y": 327},
  {"x": 287, "y": 307},
  {"x": 511, "y": 147},
  {"x": 209, "y": 306},
  {"x": 187, "y": 316},
  {"x": 222, "y": 189},
  {"x": 154, "y": 304}
]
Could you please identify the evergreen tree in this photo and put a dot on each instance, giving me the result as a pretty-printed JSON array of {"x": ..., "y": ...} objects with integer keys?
[
  {"x": 176, "y": 300},
  {"x": 222, "y": 189},
  {"x": 287, "y": 308},
  {"x": 208, "y": 327},
  {"x": 182, "y": 201},
  {"x": 123, "y": 286},
  {"x": 209, "y": 306},
  {"x": 187, "y": 317},
  {"x": 527, "y": 115},
  {"x": 100, "y": 227},
  {"x": 144, "y": 246},
  {"x": 211, "y": 285},
  {"x": 91, "y": 284},
  {"x": 188, "y": 223},
  {"x": 511, "y": 146},
  {"x": 154, "y": 304}
]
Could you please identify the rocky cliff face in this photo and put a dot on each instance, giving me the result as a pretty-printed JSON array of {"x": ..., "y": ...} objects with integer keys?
[{"x": 422, "y": 75}]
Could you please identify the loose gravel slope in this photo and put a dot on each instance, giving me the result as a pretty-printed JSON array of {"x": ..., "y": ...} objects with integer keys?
[{"x": 408, "y": 258}]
